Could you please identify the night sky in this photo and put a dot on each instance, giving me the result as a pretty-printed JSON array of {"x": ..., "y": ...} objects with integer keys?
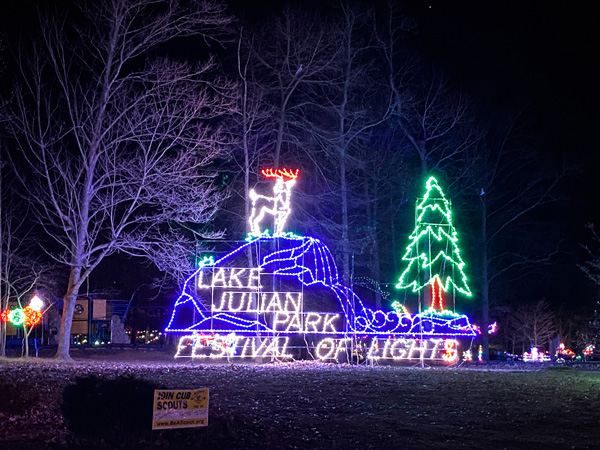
[
  {"x": 504, "y": 53},
  {"x": 536, "y": 51}
]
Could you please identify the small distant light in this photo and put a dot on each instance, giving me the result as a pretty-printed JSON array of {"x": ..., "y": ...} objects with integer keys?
[{"x": 36, "y": 303}]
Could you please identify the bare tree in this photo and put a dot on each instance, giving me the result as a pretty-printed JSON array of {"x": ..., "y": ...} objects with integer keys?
[
  {"x": 509, "y": 182},
  {"x": 571, "y": 327},
  {"x": 435, "y": 117},
  {"x": 2, "y": 237},
  {"x": 115, "y": 144},
  {"x": 253, "y": 122},
  {"x": 22, "y": 268},
  {"x": 295, "y": 51},
  {"x": 343, "y": 111},
  {"x": 436, "y": 120},
  {"x": 590, "y": 334},
  {"x": 384, "y": 178},
  {"x": 536, "y": 323},
  {"x": 592, "y": 267},
  {"x": 277, "y": 61}
]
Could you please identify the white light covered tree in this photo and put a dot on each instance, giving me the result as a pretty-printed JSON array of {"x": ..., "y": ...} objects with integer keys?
[{"x": 113, "y": 142}]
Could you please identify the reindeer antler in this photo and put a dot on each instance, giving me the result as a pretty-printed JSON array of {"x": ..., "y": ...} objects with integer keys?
[
  {"x": 281, "y": 173},
  {"x": 269, "y": 173},
  {"x": 289, "y": 173}
]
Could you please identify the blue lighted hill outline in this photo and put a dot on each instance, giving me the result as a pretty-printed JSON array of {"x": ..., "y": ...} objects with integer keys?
[{"x": 291, "y": 260}]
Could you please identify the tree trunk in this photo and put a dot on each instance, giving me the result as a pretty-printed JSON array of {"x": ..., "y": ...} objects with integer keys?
[
  {"x": 395, "y": 251},
  {"x": 75, "y": 279},
  {"x": 2, "y": 324},
  {"x": 69, "y": 300},
  {"x": 2, "y": 336},
  {"x": 485, "y": 305},
  {"x": 343, "y": 181},
  {"x": 372, "y": 221},
  {"x": 246, "y": 186},
  {"x": 245, "y": 144},
  {"x": 279, "y": 140},
  {"x": 247, "y": 195},
  {"x": 513, "y": 347},
  {"x": 376, "y": 259},
  {"x": 422, "y": 156},
  {"x": 26, "y": 341},
  {"x": 345, "y": 238},
  {"x": 376, "y": 271}
]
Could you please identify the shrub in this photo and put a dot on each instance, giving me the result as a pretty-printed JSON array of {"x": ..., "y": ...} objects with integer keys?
[{"x": 118, "y": 410}]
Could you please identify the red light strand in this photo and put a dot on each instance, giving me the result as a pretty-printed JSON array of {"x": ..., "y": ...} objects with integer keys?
[{"x": 281, "y": 173}]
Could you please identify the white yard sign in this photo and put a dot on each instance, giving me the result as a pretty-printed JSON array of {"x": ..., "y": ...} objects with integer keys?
[{"x": 180, "y": 408}]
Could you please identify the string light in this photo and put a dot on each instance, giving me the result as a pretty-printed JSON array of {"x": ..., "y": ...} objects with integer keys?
[
  {"x": 328, "y": 348},
  {"x": 216, "y": 346},
  {"x": 535, "y": 356},
  {"x": 412, "y": 349},
  {"x": 492, "y": 328},
  {"x": 232, "y": 305},
  {"x": 434, "y": 237},
  {"x": 310, "y": 262},
  {"x": 277, "y": 206},
  {"x": 400, "y": 309},
  {"x": 450, "y": 354},
  {"x": 372, "y": 285},
  {"x": 29, "y": 316},
  {"x": 36, "y": 303},
  {"x": 16, "y": 317},
  {"x": 468, "y": 355},
  {"x": 563, "y": 352},
  {"x": 32, "y": 317},
  {"x": 206, "y": 261}
]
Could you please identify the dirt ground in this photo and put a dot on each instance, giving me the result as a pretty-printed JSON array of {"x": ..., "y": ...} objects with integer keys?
[{"x": 308, "y": 405}]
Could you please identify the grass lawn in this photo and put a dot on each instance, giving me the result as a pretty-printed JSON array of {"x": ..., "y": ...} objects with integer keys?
[{"x": 308, "y": 406}]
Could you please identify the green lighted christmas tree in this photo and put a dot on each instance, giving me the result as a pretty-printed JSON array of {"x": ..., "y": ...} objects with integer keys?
[{"x": 433, "y": 256}]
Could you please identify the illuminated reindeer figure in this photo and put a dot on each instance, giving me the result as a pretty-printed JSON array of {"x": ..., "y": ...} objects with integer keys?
[{"x": 278, "y": 206}]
